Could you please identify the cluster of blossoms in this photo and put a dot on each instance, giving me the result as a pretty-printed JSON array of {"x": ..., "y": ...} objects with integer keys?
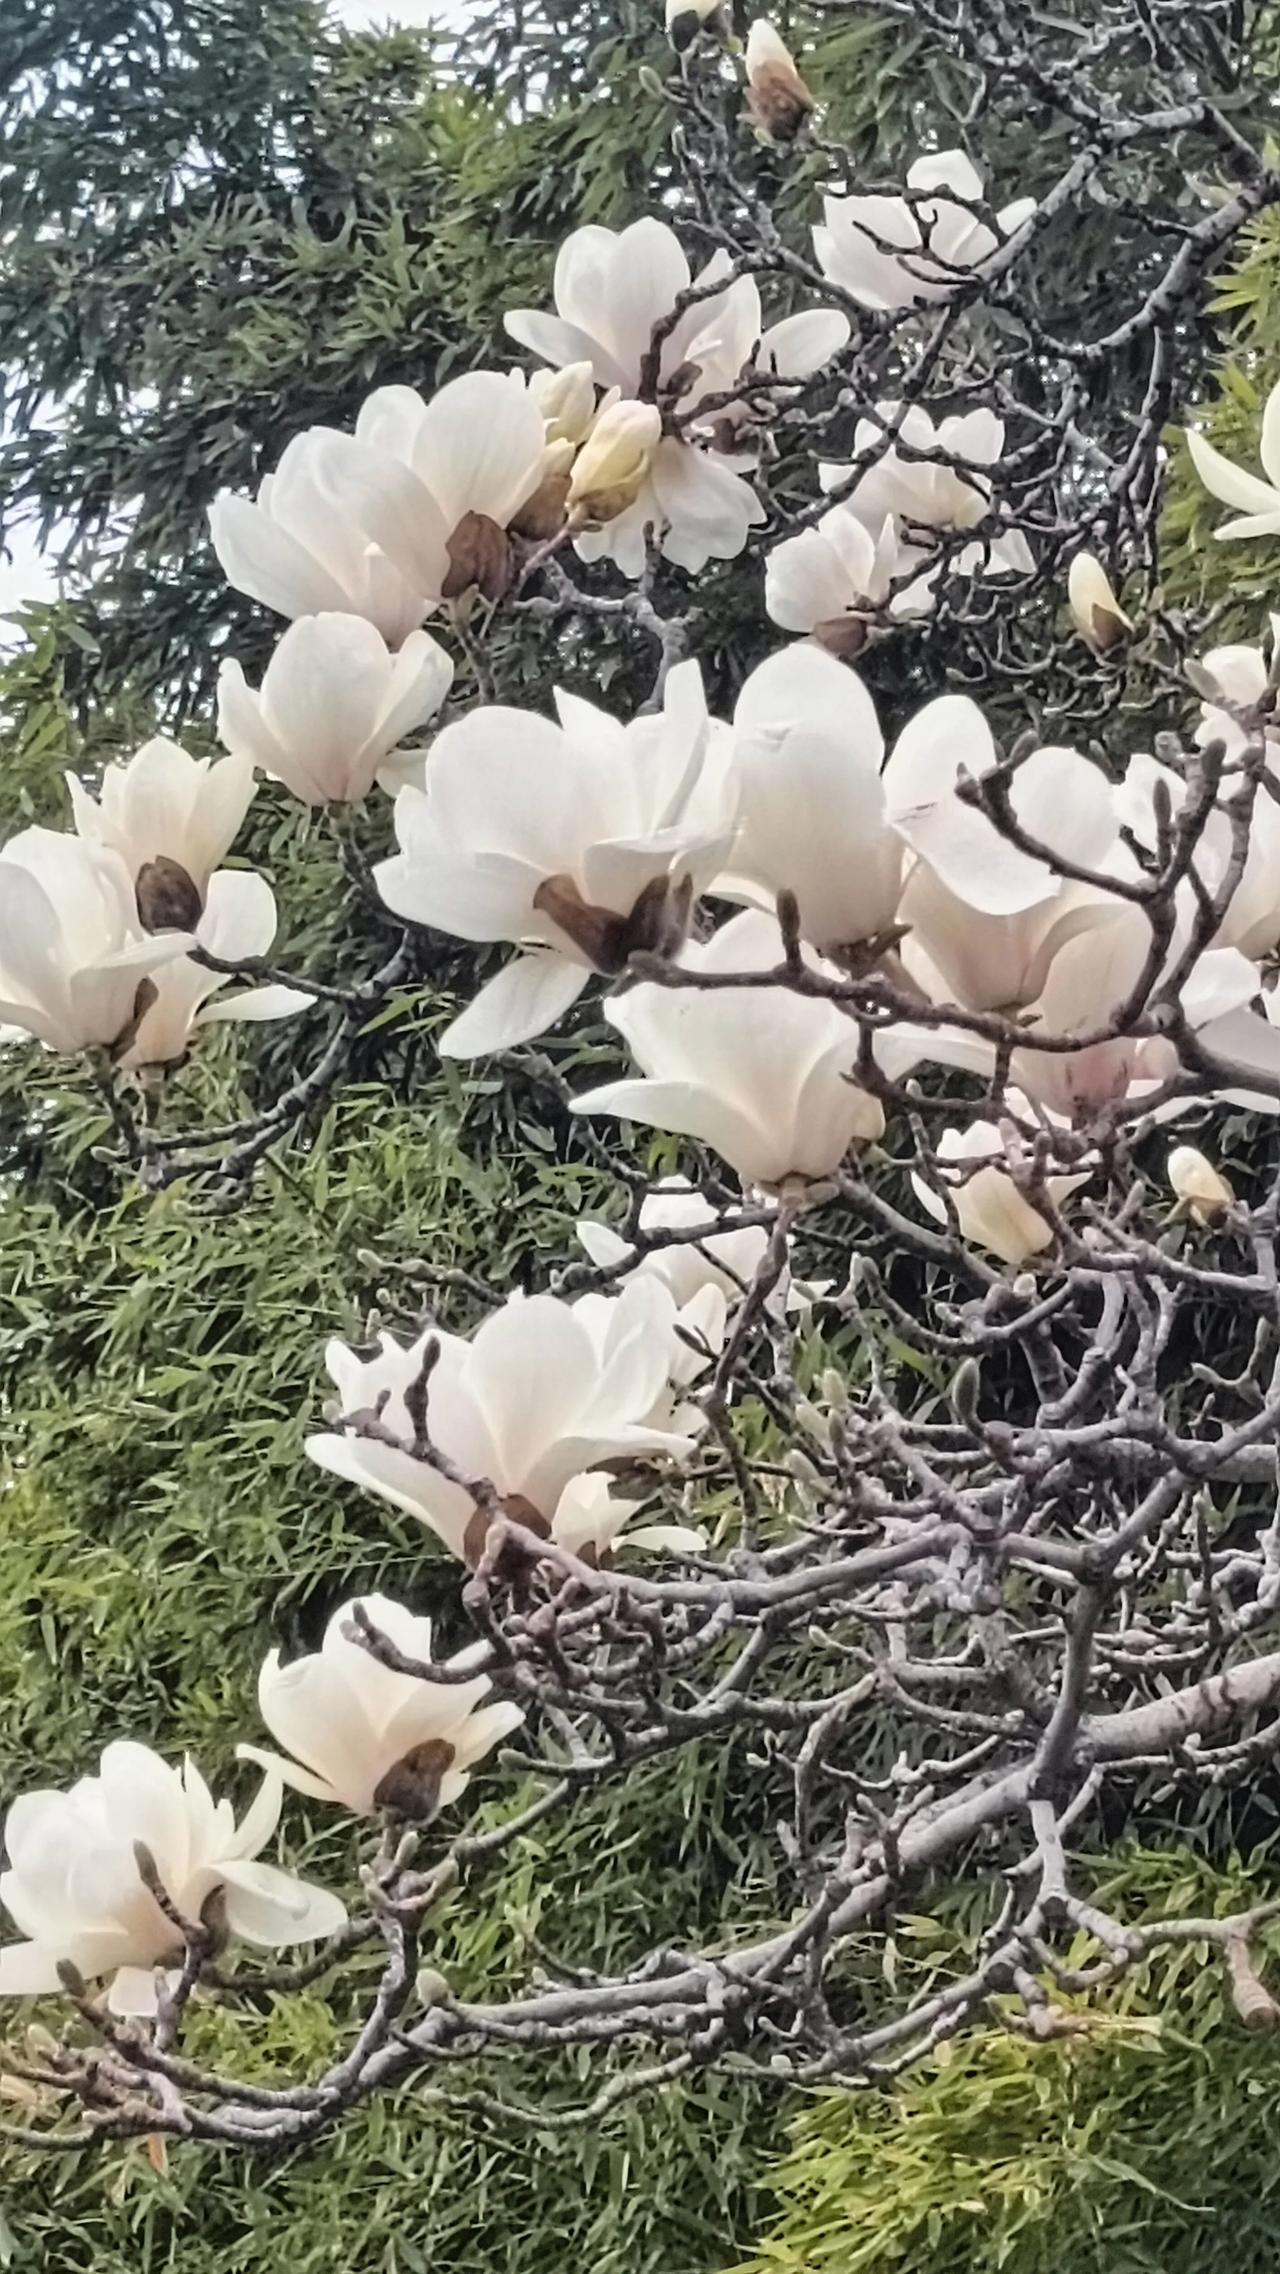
[{"x": 999, "y": 902}]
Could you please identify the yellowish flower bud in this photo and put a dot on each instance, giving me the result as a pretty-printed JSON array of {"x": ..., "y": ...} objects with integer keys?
[
  {"x": 1098, "y": 616},
  {"x": 567, "y": 401},
  {"x": 777, "y": 97},
  {"x": 611, "y": 466},
  {"x": 1202, "y": 1190}
]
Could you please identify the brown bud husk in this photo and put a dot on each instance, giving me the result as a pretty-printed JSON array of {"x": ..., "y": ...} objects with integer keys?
[
  {"x": 842, "y": 636},
  {"x": 655, "y": 925},
  {"x": 411, "y": 1787},
  {"x": 168, "y": 899},
  {"x": 778, "y": 101},
  {"x": 479, "y": 559},
  {"x": 146, "y": 995},
  {"x": 542, "y": 515},
  {"x": 521, "y": 1511}
]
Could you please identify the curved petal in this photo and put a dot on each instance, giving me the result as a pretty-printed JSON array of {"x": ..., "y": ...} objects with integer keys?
[
  {"x": 525, "y": 998},
  {"x": 1231, "y": 483},
  {"x": 272, "y": 1909},
  {"x": 261, "y": 559}
]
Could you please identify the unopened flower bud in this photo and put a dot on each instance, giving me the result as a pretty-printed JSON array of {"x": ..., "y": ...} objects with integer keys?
[
  {"x": 686, "y": 18},
  {"x": 777, "y": 97},
  {"x": 611, "y": 466},
  {"x": 567, "y": 401},
  {"x": 1098, "y": 616},
  {"x": 1202, "y": 1189},
  {"x": 430, "y": 1986}
]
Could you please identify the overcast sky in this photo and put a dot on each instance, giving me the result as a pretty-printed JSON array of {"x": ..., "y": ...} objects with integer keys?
[{"x": 23, "y": 574}]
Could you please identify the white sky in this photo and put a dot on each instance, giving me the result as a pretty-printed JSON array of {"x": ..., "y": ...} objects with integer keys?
[{"x": 24, "y": 573}]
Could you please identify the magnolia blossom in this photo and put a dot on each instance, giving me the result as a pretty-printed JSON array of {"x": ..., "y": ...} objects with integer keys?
[
  {"x": 239, "y": 922},
  {"x": 823, "y": 820},
  {"x": 165, "y": 806},
  {"x": 1257, "y": 502},
  {"x": 989, "y": 1209},
  {"x": 1096, "y": 612},
  {"x": 367, "y": 1737},
  {"x": 1243, "y": 678},
  {"x": 761, "y": 1074},
  {"x": 578, "y": 842},
  {"x": 333, "y": 707},
  {"x": 75, "y": 1888},
  {"x": 1251, "y": 919},
  {"x": 903, "y": 252},
  {"x": 592, "y": 1523},
  {"x": 1090, "y": 980},
  {"x": 727, "y": 1259},
  {"x": 75, "y": 963},
  {"x": 1202, "y": 1189},
  {"x": 538, "y": 1395},
  {"x": 836, "y": 579},
  {"x": 298, "y": 552},
  {"x": 437, "y": 484},
  {"x": 777, "y": 97},
  {"x": 947, "y": 490},
  {"x": 611, "y": 289}
]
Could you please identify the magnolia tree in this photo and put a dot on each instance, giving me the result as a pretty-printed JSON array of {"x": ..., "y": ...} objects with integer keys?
[{"x": 867, "y": 1428}]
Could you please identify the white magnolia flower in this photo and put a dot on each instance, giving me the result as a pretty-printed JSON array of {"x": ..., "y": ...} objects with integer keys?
[
  {"x": 947, "y": 489},
  {"x": 611, "y": 289},
  {"x": 1202, "y": 1189},
  {"x": 1257, "y": 502},
  {"x": 165, "y": 805},
  {"x": 807, "y": 752},
  {"x": 436, "y": 484},
  {"x": 836, "y": 579},
  {"x": 74, "y": 1886},
  {"x": 1244, "y": 681},
  {"x": 73, "y": 954},
  {"x": 777, "y": 97},
  {"x": 333, "y": 706},
  {"x": 899, "y": 252},
  {"x": 300, "y": 553},
  {"x": 1251, "y": 921},
  {"x": 239, "y": 921},
  {"x": 760, "y": 1074},
  {"x": 591, "y": 1523},
  {"x": 989, "y": 1209},
  {"x": 1096, "y": 612},
  {"x": 1092, "y": 977},
  {"x": 535, "y": 1398},
  {"x": 578, "y": 842},
  {"x": 367, "y": 1737},
  {"x": 727, "y": 1259}
]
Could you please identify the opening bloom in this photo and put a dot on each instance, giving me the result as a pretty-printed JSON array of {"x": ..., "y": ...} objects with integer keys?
[
  {"x": 75, "y": 962},
  {"x": 171, "y": 818},
  {"x": 75, "y": 1887},
  {"x": 297, "y": 552},
  {"x": 990, "y": 1210},
  {"x": 366, "y": 1737},
  {"x": 613, "y": 463},
  {"x": 579, "y": 842},
  {"x": 239, "y": 922},
  {"x": 538, "y": 1395},
  {"x": 333, "y": 706},
  {"x": 727, "y": 1259},
  {"x": 836, "y": 580},
  {"x": 905, "y": 252},
  {"x": 1257, "y": 502},
  {"x": 611, "y": 290},
  {"x": 760, "y": 1074},
  {"x": 939, "y": 479}
]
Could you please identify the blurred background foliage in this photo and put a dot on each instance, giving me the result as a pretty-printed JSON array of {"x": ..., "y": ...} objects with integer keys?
[{"x": 221, "y": 221}]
